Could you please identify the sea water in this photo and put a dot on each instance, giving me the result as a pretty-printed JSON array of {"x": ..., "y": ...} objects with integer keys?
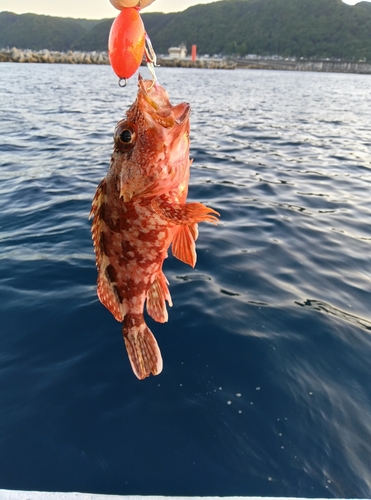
[{"x": 266, "y": 387}]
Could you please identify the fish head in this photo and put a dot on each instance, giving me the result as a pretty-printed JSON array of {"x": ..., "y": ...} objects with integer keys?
[{"x": 151, "y": 145}]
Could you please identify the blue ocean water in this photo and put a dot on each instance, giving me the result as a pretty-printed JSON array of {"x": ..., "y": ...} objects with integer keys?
[{"x": 267, "y": 353}]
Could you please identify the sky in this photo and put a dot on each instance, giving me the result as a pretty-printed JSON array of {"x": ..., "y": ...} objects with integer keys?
[{"x": 95, "y": 9}]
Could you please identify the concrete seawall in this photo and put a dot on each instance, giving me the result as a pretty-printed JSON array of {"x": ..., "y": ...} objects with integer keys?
[
  {"x": 323, "y": 66},
  {"x": 335, "y": 67}
]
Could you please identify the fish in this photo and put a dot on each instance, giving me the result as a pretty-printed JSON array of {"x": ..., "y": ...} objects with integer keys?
[{"x": 139, "y": 210}]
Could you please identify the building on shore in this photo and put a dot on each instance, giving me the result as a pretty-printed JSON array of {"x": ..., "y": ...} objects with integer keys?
[{"x": 178, "y": 52}]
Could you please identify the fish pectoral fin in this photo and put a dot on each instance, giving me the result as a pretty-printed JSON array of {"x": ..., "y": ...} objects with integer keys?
[
  {"x": 157, "y": 294},
  {"x": 143, "y": 351},
  {"x": 185, "y": 214},
  {"x": 183, "y": 246}
]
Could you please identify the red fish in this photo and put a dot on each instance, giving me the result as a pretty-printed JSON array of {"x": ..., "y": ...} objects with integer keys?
[{"x": 139, "y": 210}]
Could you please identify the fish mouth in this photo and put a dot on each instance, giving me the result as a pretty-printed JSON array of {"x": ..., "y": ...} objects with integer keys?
[{"x": 154, "y": 101}]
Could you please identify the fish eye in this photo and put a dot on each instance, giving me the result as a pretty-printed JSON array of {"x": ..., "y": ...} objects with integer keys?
[{"x": 125, "y": 136}]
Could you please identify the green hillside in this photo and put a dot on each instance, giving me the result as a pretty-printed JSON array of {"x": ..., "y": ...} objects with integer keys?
[
  {"x": 301, "y": 28},
  {"x": 94, "y": 39},
  {"x": 97, "y": 37},
  {"x": 308, "y": 28},
  {"x": 31, "y": 31}
]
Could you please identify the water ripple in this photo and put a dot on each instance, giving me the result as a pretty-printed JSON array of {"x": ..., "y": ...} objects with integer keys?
[{"x": 265, "y": 387}]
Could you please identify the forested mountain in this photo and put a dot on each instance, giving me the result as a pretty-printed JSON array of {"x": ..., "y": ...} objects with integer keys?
[
  {"x": 31, "y": 31},
  {"x": 96, "y": 38},
  {"x": 308, "y": 28},
  {"x": 301, "y": 28}
]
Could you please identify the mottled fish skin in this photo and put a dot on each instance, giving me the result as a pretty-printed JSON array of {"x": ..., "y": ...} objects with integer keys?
[{"x": 138, "y": 211}]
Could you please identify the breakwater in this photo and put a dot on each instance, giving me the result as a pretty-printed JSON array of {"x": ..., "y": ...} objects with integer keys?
[
  {"x": 48, "y": 56},
  {"x": 77, "y": 57},
  {"x": 199, "y": 63}
]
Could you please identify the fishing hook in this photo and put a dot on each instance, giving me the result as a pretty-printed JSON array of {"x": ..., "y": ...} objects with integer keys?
[{"x": 151, "y": 59}]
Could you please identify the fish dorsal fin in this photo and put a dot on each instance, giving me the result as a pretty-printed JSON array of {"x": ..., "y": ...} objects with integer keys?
[
  {"x": 183, "y": 246},
  {"x": 157, "y": 294},
  {"x": 106, "y": 291}
]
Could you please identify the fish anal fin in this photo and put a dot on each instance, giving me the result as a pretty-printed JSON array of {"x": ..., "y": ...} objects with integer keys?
[
  {"x": 184, "y": 214},
  {"x": 157, "y": 294},
  {"x": 183, "y": 246},
  {"x": 143, "y": 351}
]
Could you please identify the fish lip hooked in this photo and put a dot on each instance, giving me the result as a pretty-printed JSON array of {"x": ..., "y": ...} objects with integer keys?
[
  {"x": 160, "y": 109},
  {"x": 181, "y": 112}
]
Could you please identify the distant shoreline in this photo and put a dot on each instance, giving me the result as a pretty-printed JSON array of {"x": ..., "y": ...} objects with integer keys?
[
  {"x": 362, "y": 68},
  {"x": 76, "y": 57}
]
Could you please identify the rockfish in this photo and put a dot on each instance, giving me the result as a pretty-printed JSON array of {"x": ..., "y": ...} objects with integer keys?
[{"x": 139, "y": 210}]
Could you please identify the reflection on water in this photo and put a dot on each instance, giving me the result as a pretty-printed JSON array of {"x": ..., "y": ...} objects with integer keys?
[{"x": 329, "y": 309}]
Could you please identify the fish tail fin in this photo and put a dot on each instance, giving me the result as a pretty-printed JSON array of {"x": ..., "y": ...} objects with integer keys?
[{"x": 143, "y": 351}]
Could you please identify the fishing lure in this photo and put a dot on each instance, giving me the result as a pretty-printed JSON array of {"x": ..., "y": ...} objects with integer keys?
[{"x": 128, "y": 43}]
